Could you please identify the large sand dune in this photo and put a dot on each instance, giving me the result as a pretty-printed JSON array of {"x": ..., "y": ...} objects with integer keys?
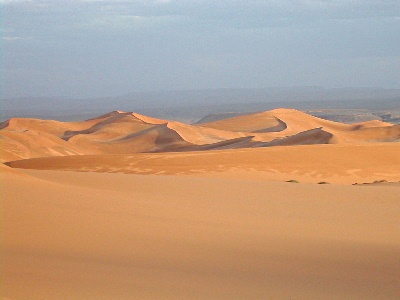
[
  {"x": 223, "y": 224},
  {"x": 126, "y": 132}
]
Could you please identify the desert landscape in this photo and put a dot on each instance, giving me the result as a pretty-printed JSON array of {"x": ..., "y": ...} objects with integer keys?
[
  {"x": 277, "y": 204},
  {"x": 181, "y": 149}
]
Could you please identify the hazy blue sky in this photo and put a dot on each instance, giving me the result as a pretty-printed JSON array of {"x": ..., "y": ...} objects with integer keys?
[{"x": 85, "y": 48}]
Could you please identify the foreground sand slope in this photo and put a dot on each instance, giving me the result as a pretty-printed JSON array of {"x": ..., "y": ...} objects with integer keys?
[
  {"x": 342, "y": 163},
  {"x": 73, "y": 235}
]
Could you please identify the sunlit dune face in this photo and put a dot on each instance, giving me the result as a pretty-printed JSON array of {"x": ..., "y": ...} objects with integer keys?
[
  {"x": 125, "y": 132},
  {"x": 247, "y": 144}
]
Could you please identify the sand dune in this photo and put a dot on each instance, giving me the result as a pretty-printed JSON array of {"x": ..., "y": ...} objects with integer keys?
[
  {"x": 202, "y": 136},
  {"x": 271, "y": 126},
  {"x": 247, "y": 123},
  {"x": 375, "y": 134},
  {"x": 148, "y": 139},
  {"x": 49, "y": 126},
  {"x": 223, "y": 224},
  {"x": 31, "y": 143},
  {"x": 149, "y": 120},
  {"x": 308, "y": 137},
  {"x": 111, "y": 126},
  {"x": 126, "y": 132},
  {"x": 289, "y": 120}
]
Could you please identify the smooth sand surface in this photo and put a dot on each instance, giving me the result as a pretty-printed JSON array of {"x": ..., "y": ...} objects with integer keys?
[
  {"x": 337, "y": 164},
  {"x": 69, "y": 235}
]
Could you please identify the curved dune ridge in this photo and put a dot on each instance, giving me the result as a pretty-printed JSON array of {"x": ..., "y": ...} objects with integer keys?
[
  {"x": 281, "y": 123},
  {"x": 121, "y": 132}
]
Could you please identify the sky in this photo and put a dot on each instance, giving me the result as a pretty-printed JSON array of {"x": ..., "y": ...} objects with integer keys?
[{"x": 95, "y": 48}]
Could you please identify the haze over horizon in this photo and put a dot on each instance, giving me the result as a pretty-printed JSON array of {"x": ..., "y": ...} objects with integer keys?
[{"x": 85, "y": 48}]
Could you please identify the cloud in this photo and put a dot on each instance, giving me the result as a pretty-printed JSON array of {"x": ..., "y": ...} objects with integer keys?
[
  {"x": 120, "y": 22},
  {"x": 223, "y": 9},
  {"x": 200, "y": 43},
  {"x": 7, "y": 3},
  {"x": 16, "y": 38},
  {"x": 52, "y": 18}
]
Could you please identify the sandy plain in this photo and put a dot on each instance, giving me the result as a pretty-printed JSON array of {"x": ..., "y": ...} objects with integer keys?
[{"x": 204, "y": 224}]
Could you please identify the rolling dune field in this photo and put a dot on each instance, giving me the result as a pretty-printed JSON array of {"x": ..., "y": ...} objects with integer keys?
[{"x": 125, "y": 206}]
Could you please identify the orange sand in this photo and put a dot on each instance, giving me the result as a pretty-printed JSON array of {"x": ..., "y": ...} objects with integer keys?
[
  {"x": 223, "y": 224},
  {"x": 70, "y": 235}
]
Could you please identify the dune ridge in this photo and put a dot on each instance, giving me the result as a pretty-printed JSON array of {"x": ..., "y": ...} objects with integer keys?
[{"x": 121, "y": 132}]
